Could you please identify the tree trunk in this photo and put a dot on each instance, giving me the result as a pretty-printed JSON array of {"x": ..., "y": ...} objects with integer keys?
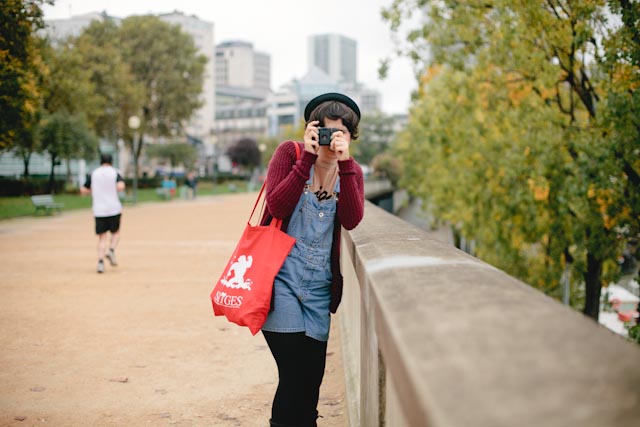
[
  {"x": 52, "y": 178},
  {"x": 136, "y": 159},
  {"x": 68, "y": 178},
  {"x": 138, "y": 150},
  {"x": 593, "y": 287},
  {"x": 26, "y": 159},
  {"x": 566, "y": 277}
]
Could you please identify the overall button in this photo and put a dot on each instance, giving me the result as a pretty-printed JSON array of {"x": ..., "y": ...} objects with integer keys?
[{"x": 321, "y": 214}]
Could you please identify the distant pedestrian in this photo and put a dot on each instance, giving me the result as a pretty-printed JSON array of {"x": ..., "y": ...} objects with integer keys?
[
  {"x": 104, "y": 184},
  {"x": 169, "y": 186},
  {"x": 192, "y": 183}
]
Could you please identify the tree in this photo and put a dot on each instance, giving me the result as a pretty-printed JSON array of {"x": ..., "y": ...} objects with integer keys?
[
  {"x": 175, "y": 153},
  {"x": 376, "y": 135},
  {"x": 67, "y": 86},
  {"x": 69, "y": 106},
  {"x": 119, "y": 95},
  {"x": 164, "y": 62},
  {"x": 20, "y": 71},
  {"x": 291, "y": 133},
  {"x": 517, "y": 155},
  {"x": 387, "y": 166},
  {"x": 245, "y": 152},
  {"x": 66, "y": 137},
  {"x": 620, "y": 119}
]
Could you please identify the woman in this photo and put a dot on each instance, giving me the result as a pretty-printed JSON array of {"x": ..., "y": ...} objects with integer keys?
[{"x": 315, "y": 194}]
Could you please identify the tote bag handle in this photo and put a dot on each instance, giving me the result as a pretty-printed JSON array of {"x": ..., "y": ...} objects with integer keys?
[{"x": 278, "y": 222}]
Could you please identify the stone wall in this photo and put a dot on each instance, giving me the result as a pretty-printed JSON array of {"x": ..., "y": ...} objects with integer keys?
[{"x": 435, "y": 337}]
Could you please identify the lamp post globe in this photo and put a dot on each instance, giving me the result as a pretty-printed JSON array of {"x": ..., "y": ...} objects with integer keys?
[{"x": 134, "y": 122}]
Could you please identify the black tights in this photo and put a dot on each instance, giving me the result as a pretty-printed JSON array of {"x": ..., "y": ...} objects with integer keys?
[{"x": 301, "y": 361}]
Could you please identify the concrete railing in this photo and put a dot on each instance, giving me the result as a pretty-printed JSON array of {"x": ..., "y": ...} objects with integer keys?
[{"x": 434, "y": 337}]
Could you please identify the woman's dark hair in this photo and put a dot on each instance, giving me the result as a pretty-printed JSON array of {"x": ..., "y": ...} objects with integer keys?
[{"x": 336, "y": 110}]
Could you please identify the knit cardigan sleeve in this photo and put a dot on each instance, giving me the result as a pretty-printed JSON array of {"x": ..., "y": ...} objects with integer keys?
[
  {"x": 351, "y": 199},
  {"x": 286, "y": 178}
]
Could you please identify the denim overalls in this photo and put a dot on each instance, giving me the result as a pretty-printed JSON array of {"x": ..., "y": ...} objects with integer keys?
[{"x": 302, "y": 288}]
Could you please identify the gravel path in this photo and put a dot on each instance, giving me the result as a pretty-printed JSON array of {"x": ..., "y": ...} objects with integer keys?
[{"x": 138, "y": 345}]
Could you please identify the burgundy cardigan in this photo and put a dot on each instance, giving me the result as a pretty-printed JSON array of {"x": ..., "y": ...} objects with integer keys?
[{"x": 286, "y": 179}]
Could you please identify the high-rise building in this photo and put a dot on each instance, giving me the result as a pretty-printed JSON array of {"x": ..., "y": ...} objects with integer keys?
[
  {"x": 334, "y": 54},
  {"x": 238, "y": 65}
]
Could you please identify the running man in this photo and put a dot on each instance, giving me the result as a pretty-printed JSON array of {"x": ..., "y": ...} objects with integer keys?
[{"x": 104, "y": 184}]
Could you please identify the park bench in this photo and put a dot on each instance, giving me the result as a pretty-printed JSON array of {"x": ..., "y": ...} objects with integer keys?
[
  {"x": 163, "y": 192},
  {"x": 45, "y": 203},
  {"x": 125, "y": 198}
]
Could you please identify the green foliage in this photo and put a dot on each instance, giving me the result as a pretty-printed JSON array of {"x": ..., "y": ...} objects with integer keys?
[
  {"x": 245, "y": 152},
  {"x": 505, "y": 142},
  {"x": 175, "y": 153},
  {"x": 120, "y": 96},
  {"x": 376, "y": 135},
  {"x": 143, "y": 67},
  {"x": 12, "y": 207},
  {"x": 167, "y": 70},
  {"x": 67, "y": 87},
  {"x": 634, "y": 334},
  {"x": 164, "y": 62},
  {"x": 10, "y": 187},
  {"x": 68, "y": 137},
  {"x": 20, "y": 69},
  {"x": 387, "y": 166},
  {"x": 290, "y": 133}
]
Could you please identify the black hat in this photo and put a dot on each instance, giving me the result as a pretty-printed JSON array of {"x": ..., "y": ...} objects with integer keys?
[{"x": 338, "y": 97}]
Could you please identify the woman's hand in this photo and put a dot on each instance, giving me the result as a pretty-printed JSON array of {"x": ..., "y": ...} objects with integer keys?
[
  {"x": 311, "y": 137},
  {"x": 340, "y": 145}
]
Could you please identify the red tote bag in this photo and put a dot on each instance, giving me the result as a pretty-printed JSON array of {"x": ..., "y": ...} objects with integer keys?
[{"x": 243, "y": 291}]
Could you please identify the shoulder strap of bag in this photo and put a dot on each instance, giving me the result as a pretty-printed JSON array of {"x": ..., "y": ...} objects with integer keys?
[
  {"x": 295, "y": 144},
  {"x": 277, "y": 222}
]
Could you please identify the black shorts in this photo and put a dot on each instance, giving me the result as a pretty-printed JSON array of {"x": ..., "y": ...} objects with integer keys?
[{"x": 107, "y": 223}]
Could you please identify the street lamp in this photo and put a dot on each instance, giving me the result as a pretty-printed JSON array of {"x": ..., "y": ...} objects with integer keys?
[
  {"x": 262, "y": 147},
  {"x": 134, "y": 124}
]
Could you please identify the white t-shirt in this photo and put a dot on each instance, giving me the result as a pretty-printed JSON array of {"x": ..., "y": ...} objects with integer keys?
[{"x": 104, "y": 192}]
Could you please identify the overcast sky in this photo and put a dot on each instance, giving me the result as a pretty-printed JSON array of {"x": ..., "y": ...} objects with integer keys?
[{"x": 280, "y": 28}]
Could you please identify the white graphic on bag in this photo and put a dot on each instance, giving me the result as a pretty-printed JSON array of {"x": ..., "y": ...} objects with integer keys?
[
  {"x": 239, "y": 269},
  {"x": 232, "y": 301}
]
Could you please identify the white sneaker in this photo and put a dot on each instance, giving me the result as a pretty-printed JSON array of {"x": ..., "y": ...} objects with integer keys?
[
  {"x": 100, "y": 267},
  {"x": 111, "y": 256}
]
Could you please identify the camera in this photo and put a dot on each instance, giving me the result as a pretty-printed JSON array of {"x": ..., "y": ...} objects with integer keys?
[{"x": 324, "y": 135}]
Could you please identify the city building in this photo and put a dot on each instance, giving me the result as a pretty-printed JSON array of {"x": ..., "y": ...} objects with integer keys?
[
  {"x": 245, "y": 107},
  {"x": 238, "y": 65},
  {"x": 243, "y": 83},
  {"x": 286, "y": 107},
  {"x": 57, "y": 29},
  {"x": 238, "y": 121},
  {"x": 334, "y": 54}
]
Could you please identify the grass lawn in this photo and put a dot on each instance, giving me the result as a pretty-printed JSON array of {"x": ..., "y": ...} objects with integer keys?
[{"x": 11, "y": 207}]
